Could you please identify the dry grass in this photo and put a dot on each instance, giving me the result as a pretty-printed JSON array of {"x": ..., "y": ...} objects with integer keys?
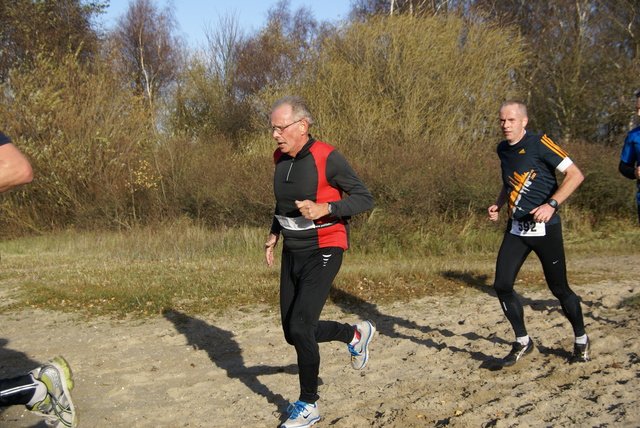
[{"x": 185, "y": 267}]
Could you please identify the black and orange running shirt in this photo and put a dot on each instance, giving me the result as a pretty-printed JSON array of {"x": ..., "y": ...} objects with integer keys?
[
  {"x": 4, "y": 139},
  {"x": 529, "y": 173},
  {"x": 321, "y": 174}
]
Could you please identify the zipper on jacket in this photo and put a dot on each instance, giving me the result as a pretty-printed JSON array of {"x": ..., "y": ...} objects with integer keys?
[{"x": 289, "y": 172}]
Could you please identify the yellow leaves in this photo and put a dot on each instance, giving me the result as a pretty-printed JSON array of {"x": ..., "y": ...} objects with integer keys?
[{"x": 144, "y": 177}]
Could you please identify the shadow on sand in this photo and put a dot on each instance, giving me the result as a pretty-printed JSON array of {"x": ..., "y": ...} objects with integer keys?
[
  {"x": 387, "y": 324},
  {"x": 225, "y": 352},
  {"x": 14, "y": 363}
]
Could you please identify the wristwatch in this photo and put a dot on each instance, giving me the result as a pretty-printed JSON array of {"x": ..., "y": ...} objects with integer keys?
[
  {"x": 553, "y": 203},
  {"x": 329, "y": 207}
]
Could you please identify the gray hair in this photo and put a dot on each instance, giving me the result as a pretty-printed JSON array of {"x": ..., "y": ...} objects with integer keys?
[
  {"x": 522, "y": 107},
  {"x": 299, "y": 108}
]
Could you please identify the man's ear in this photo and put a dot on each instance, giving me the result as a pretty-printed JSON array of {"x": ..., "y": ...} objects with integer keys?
[{"x": 304, "y": 126}]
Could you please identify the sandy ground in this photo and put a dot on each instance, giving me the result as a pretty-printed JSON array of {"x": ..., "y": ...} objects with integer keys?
[{"x": 433, "y": 364}]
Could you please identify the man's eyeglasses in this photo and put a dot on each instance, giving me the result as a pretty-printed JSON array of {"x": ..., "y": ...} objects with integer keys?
[{"x": 280, "y": 129}]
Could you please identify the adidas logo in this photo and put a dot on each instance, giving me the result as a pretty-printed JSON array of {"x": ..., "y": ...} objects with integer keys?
[{"x": 521, "y": 152}]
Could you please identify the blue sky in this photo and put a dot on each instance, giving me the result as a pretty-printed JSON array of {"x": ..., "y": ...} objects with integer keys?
[{"x": 195, "y": 15}]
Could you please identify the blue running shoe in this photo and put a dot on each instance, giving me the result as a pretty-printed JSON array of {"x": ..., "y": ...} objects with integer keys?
[{"x": 302, "y": 415}]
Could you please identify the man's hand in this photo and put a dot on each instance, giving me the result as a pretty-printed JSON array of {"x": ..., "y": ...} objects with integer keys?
[
  {"x": 269, "y": 246},
  {"x": 494, "y": 210},
  {"x": 312, "y": 211},
  {"x": 572, "y": 179},
  {"x": 543, "y": 213}
]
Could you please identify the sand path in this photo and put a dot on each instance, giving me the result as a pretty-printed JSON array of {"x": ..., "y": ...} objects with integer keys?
[{"x": 432, "y": 364}]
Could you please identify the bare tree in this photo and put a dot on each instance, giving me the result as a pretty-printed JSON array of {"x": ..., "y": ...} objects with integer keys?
[
  {"x": 207, "y": 100},
  {"x": 151, "y": 53},
  {"x": 364, "y": 9},
  {"x": 220, "y": 92},
  {"x": 222, "y": 47},
  {"x": 278, "y": 54},
  {"x": 584, "y": 62}
]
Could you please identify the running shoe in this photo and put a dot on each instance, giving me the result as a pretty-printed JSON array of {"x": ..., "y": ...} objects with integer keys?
[
  {"x": 518, "y": 351},
  {"x": 581, "y": 353},
  {"x": 301, "y": 415},
  {"x": 57, "y": 407},
  {"x": 360, "y": 351}
]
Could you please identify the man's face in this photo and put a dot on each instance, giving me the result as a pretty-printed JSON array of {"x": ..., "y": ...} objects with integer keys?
[
  {"x": 512, "y": 123},
  {"x": 289, "y": 133}
]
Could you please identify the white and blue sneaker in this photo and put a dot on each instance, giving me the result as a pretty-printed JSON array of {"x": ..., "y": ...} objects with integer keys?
[
  {"x": 301, "y": 415},
  {"x": 360, "y": 351}
]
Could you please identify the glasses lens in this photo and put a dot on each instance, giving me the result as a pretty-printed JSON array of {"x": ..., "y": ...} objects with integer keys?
[{"x": 280, "y": 129}]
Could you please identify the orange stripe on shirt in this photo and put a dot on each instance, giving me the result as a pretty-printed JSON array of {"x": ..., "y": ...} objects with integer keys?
[
  {"x": 553, "y": 146},
  {"x": 518, "y": 182}
]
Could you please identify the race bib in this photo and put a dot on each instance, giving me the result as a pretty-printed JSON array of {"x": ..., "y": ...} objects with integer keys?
[
  {"x": 295, "y": 223},
  {"x": 527, "y": 228}
]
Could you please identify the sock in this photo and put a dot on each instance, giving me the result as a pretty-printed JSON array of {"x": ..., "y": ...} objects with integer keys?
[
  {"x": 581, "y": 340},
  {"x": 356, "y": 336},
  {"x": 39, "y": 394},
  {"x": 524, "y": 340}
]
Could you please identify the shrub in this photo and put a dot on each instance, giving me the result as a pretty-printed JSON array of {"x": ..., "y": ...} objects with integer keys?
[{"x": 86, "y": 139}]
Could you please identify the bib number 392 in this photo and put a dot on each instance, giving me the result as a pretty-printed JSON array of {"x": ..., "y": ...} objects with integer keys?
[{"x": 527, "y": 228}]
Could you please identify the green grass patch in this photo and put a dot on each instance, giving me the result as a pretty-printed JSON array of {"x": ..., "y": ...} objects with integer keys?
[
  {"x": 193, "y": 269},
  {"x": 632, "y": 302}
]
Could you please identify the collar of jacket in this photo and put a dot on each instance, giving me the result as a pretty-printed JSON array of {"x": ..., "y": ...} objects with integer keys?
[{"x": 305, "y": 149}]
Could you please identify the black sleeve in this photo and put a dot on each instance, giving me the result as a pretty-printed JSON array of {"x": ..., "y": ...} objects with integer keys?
[
  {"x": 4, "y": 139},
  {"x": 341, "y": 176},
  {"x": 275, "y": 226},
  {"x": 627, "y": 169}
]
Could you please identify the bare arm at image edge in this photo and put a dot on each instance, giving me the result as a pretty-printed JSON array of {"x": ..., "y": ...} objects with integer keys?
[{"x": 14, "y": 168}]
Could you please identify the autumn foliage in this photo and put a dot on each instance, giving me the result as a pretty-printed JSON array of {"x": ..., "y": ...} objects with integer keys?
[{"x": 131, "y": 127}]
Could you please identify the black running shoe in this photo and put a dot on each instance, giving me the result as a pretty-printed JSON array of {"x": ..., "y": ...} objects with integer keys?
[
  {"x": 518, "y": 351},
  {"x": 581, "y": 353}
]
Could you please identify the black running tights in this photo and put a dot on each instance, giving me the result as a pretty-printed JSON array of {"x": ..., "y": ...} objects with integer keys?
[
  {"x": 305, "y": 282},
  {"x": 17, "y": 390},
  {"x": 549, "y": 249}
]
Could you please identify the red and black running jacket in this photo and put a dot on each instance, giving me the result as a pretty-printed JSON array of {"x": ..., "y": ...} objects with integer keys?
[{"x": 321, "y": 174}]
